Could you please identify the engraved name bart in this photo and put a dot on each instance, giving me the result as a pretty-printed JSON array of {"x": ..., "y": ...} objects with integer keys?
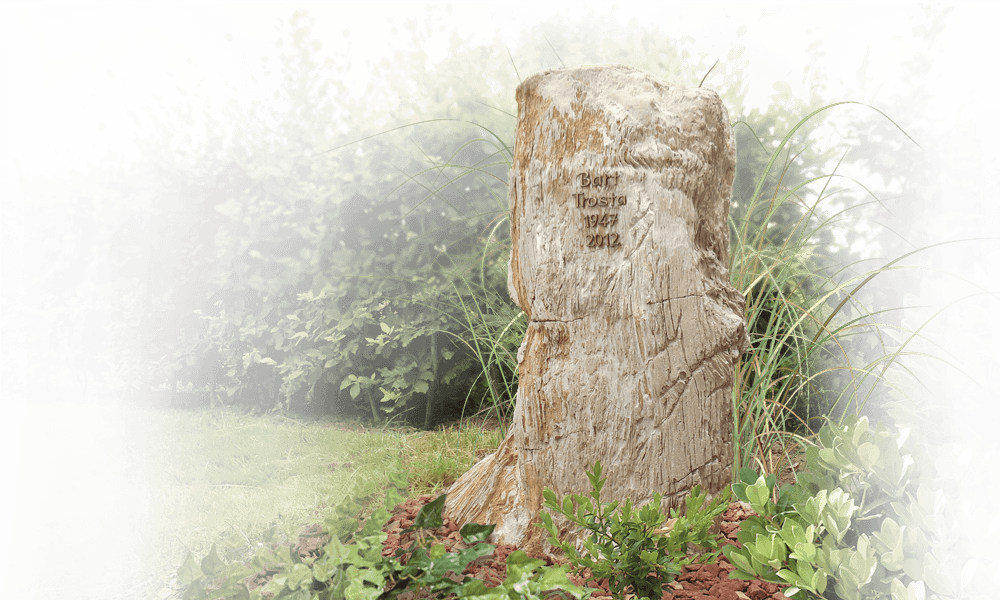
[{"x": 598, "y": 191}]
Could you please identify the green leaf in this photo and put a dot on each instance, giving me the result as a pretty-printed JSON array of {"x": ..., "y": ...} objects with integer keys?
[
  {"x": 473, "y": 533},
  {"x": 429, "y": 516},
  {"x": 868, "y": 453},
  {"x": 758, "y": 494},
  {"x": 914, "y": 568},
  {"x": 437, "y": 551},
  {"x": 298, "y": 577},
  {"x": 738, "y": 559},
  {"x": 211, "y": 565},
  {"x": 190, "y": 571},
  {"x": 804, "y": 551},
  {"x": 567, "y": 505}
]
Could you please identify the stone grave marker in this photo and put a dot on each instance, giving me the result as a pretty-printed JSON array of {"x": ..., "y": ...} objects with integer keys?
[{"x": 619, "y": 194}]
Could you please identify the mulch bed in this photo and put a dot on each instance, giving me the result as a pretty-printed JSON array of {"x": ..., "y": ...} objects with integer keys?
[{"x": 696, "y": 582}]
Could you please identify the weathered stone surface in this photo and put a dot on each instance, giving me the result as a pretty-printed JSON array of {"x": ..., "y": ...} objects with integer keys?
[{"x": 619, "y": 194}]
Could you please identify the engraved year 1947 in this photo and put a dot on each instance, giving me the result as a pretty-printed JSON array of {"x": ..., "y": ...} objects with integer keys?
[{"x": 598, "y": 191}]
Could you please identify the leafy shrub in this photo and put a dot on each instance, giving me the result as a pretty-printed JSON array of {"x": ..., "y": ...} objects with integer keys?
[
  {"x": 864, "y": 521},
  {"x": 269, "y": 268},
  {"x": 624, "y": 545},
  {"x": 873, "y": 502}
]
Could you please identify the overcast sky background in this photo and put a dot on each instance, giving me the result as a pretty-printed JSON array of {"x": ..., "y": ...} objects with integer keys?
[{"x": 56, "y": 55}]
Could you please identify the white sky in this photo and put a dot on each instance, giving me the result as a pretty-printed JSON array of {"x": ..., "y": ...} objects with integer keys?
[{"x": 56, "y": 55}]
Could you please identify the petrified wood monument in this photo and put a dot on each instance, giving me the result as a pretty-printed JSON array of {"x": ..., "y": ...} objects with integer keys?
[{"x": 619, "y": 194}]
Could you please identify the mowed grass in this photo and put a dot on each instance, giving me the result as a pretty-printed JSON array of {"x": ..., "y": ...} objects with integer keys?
[{"x": 122, "y": 504}]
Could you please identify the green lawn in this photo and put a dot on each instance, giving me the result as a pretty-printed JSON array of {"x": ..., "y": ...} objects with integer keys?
[{"x": 126, "y": 491}]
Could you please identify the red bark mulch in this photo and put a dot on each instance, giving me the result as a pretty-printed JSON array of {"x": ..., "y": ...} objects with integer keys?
[{"x": 696, "y": 582}]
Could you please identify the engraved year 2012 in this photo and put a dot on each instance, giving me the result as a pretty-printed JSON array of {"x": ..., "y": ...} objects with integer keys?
[{"x": 603, "y": 240}]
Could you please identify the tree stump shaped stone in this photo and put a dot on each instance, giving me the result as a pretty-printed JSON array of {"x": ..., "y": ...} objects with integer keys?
[{"x": 619, "y": 196}]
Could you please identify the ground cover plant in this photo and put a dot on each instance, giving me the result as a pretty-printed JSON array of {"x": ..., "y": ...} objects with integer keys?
[{"x": 231, "y": 482}]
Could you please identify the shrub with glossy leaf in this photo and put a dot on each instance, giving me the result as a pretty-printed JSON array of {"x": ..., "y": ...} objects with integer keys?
[{"x": 864, "y": 521}]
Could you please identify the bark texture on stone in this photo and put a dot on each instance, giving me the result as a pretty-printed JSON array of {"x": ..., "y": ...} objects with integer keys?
[{"x": 619, "y": 194}]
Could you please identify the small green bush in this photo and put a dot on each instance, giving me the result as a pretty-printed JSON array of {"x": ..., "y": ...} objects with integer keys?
[
  {"x": 623, "y": 545},
  {"x": 865, "y": 521}
]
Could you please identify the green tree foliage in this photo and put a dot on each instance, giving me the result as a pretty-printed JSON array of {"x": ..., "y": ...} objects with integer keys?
[
  {"x": 330, "y": 250},
  {"x": 283, "y": 274}
]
